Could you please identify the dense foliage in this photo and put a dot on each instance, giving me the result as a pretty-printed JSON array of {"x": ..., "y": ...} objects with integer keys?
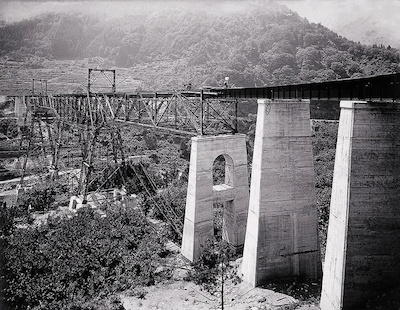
[
  {"x": 74, "y": 263},
  {"x": 263, "y": 43}
]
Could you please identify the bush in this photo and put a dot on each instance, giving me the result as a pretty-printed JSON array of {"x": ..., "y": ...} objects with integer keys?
[
  {"x": 214, "y": 260},
  {"x": 41, "y": 197},
  {"x": 8, "y": 127},
  {"x": 81, "y": 260},
  {"x": 7, "y": 215}
]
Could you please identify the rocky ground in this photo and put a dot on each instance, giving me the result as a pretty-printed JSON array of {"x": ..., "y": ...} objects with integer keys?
[{"x": 179, "y": 293}]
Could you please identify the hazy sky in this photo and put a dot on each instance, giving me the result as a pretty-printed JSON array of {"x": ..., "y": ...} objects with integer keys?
[
  {"x": 367, "y": 21},
  {"x": 333, "y": 12}
]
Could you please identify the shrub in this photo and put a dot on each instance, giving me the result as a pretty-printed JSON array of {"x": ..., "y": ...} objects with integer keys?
[
  {"x": 7, "y": 215},
  {"x": 214, "y": 260},
  {"x": 41, "y": 197},
  {"x": 80, "y": 260}
]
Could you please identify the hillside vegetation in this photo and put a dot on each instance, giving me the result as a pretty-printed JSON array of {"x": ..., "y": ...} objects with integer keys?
[{"x": 263, "y": 44}]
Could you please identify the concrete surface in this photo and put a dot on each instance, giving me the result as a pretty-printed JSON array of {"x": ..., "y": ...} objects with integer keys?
[
  {"x": 282, "y": 235},
  {"x": 363, "y": 245},
  {"x": 201, "y": 194}
]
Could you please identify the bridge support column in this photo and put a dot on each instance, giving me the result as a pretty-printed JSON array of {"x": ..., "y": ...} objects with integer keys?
[
  {"x": 20, "y": 110},
  {"x": 201, "y": 194},
  {"x": 363, "y": 247},
  {"x": 282, "y": 234}
]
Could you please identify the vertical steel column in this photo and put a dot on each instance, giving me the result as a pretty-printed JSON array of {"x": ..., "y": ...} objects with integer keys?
[
  {"x": 236, "y": 116},
  {"x": 114, "y": 89},
  {"x": 201, "y": 113},
  {"x": 88, "y": 85}
]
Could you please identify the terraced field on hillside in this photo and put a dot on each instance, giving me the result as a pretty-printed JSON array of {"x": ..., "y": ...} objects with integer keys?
[{"x": 62, "y": 76}]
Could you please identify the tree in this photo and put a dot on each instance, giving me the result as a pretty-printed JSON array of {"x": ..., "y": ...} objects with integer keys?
[{"x": 309, "y": 58}]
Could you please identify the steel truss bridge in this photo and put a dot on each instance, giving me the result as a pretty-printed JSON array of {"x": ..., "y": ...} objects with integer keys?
[
  {"x": 206, "y": 111},
  {"x": 83, "y": 130},
  {"x": 93, "y": 118}
]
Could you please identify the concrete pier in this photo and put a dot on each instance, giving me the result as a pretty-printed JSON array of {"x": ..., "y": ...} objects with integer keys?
[
  {"x": 282, "y": 234},
  {"x": 201, "y": 194},
  {"x": 363, "y": 246},
  {"x": 20, "y": 110}
]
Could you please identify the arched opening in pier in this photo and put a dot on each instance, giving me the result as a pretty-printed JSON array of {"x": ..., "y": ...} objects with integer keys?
[{"x": 222, "y": 180}]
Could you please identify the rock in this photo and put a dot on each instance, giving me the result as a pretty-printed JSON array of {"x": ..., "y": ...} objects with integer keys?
[
  {"x": 180, "y": 274},
  {"x": 159, "y": 269}
]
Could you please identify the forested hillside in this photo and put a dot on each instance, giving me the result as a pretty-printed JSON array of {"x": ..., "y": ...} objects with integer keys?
[{"x": 264, "y": 44}]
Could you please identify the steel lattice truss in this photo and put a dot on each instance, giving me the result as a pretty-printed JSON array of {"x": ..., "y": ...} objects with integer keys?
[
  {"x": 81, "y": 136},
  {"x": 75, "y": 133},
  {"x": 92, "y": 123},
  {"x": 178, "y": 112},
  {"x": 57, "y": 126}
]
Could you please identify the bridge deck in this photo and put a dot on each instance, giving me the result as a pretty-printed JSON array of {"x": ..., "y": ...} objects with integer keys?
[
  {"x": 369, "y": 88},
  {"x": 380, "y": 87}
]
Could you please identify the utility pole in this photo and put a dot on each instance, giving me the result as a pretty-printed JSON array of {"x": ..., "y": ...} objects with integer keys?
[
  {"x": 101, "y": 71},
  {"x": 41, "y": 87},
  {"x": 113, "y": 85},
  {"x": 222, "y": 282},
  {"x": 88, "y": 79}
]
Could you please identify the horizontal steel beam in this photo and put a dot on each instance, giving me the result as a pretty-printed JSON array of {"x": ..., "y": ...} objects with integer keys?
[{"x": 382, "y": 87}]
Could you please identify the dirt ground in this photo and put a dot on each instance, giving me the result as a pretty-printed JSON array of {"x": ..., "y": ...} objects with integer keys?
[
  {"x": 185, "y": 295},
  {"x": 178, "y": 293}
]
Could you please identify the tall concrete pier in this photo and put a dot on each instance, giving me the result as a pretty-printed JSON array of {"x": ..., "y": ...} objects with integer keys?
[
  {"x": 282, "y": 234},
  {"x": 363, "y": 247},
  {"x": 201, "y": 194}
]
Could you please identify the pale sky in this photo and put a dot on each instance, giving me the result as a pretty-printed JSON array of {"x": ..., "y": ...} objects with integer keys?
[
  {"x": 330, "y": 12},
  {"x": 350, "y": 17}
]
